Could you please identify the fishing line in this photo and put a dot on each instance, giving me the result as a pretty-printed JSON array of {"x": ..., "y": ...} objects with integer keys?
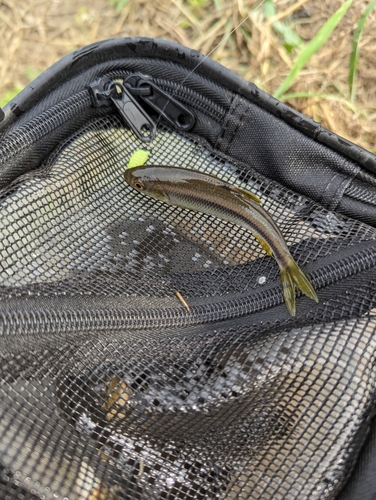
[{"x": 206, "y": 57}]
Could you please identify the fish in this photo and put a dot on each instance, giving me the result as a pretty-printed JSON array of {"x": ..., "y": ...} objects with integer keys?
[{"x": 205, "y": 193}]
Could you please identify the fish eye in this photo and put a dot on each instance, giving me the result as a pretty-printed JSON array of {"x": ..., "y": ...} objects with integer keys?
[{"x": 139, "y": 185}]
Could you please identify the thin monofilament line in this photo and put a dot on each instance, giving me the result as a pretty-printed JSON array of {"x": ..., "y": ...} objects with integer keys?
[{"x": 206, "y": 57}]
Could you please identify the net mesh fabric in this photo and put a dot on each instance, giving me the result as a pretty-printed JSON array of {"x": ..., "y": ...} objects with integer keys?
[{"x": 111, "y": 389}]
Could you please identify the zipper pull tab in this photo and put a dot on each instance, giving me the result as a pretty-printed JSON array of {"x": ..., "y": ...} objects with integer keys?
[
  {"x": 180, "y": 117},
  {"x": 139, "y": 121},
  {"x": 104, "y": 90}
]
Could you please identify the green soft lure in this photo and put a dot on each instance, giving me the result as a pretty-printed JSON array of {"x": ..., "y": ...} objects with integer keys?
[
  {"x": 205, "y": 193},
  {"x": 138, "y": 158}
]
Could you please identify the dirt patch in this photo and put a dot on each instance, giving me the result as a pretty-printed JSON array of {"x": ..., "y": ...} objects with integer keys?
[{"x": 37, "y": 33}]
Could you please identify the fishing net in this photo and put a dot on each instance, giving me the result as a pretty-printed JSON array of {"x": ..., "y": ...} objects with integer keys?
[{"x": 146, "y": 350}]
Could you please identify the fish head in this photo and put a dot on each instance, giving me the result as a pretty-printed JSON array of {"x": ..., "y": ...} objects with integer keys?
[{"x": 145, "y": 181}]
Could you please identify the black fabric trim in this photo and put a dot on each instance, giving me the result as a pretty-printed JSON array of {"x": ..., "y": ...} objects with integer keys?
[{"x": 136, "y": 47}]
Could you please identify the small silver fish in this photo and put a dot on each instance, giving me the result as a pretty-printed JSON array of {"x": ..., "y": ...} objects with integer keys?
[{"x": 205, "y": 193}]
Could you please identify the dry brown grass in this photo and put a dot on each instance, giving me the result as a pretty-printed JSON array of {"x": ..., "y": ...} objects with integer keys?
[{"x": 36, "y": 33}]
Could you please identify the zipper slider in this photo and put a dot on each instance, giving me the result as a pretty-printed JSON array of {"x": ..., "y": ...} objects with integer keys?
[
  {"x": 180, "y": 117},
  {"x": 105, "y": 90}
]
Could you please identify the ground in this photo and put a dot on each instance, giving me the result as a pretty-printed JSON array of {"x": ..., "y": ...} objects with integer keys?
[{"x": 36, "y": 33}]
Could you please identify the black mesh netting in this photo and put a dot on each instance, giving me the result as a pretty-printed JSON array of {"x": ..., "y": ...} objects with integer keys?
[{"x": 111, "y": 389}]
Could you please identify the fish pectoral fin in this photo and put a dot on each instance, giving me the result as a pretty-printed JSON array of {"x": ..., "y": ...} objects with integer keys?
[
  {"x": 264, "y": 245},
  {"x": 245, "y": 195}
]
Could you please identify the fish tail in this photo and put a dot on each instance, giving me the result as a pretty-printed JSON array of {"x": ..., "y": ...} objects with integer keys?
[
  {"x": 301, "y": 280},
  {"x": 288, "y": 290},
  {"x": 290, "y": 275}
]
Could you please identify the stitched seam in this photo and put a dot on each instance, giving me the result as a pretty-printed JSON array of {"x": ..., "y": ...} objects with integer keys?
[{"x": 221, "y": 139}]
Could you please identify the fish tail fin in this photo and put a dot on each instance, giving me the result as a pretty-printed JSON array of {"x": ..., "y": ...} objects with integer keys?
[
  {"x": 301, "y": 281},
  {"x": 288, "y": 290},
  {"x": 293, "y": 274}
]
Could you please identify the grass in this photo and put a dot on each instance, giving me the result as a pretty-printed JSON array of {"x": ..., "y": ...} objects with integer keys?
[
  {"x": 312, "y": 48},
  {"x": 316, "y": 56},
  {"x": 119, "y": 4},
  {"x": 354, "y": 56},
  {"x": 9, "y": 94},
  {"x": 289, "y": 37},
  {"x": 30, "y": 74}
]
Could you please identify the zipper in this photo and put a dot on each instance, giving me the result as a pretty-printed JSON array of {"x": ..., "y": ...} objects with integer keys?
[
  {"x": 104, "y": 92},
  {"x": 93, "y": 319},
  {"x": 164, "y": 103},
  {"x": 123, "y": 95},
  {"x": 214, "y": 110}
]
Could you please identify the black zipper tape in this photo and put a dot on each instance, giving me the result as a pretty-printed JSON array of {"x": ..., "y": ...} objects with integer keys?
[{"x": 94, "y": 316}]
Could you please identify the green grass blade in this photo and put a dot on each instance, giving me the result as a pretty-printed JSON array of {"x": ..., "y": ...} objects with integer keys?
[
  {"x": 269, "y": 8},
  {"x": 312, "y": 47},
  {"x": 9, "y": 95},
  {"x": 353, "y": 65},
  {"x": 290, "y": 37},
  {"x": 119, "y": 4}
]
